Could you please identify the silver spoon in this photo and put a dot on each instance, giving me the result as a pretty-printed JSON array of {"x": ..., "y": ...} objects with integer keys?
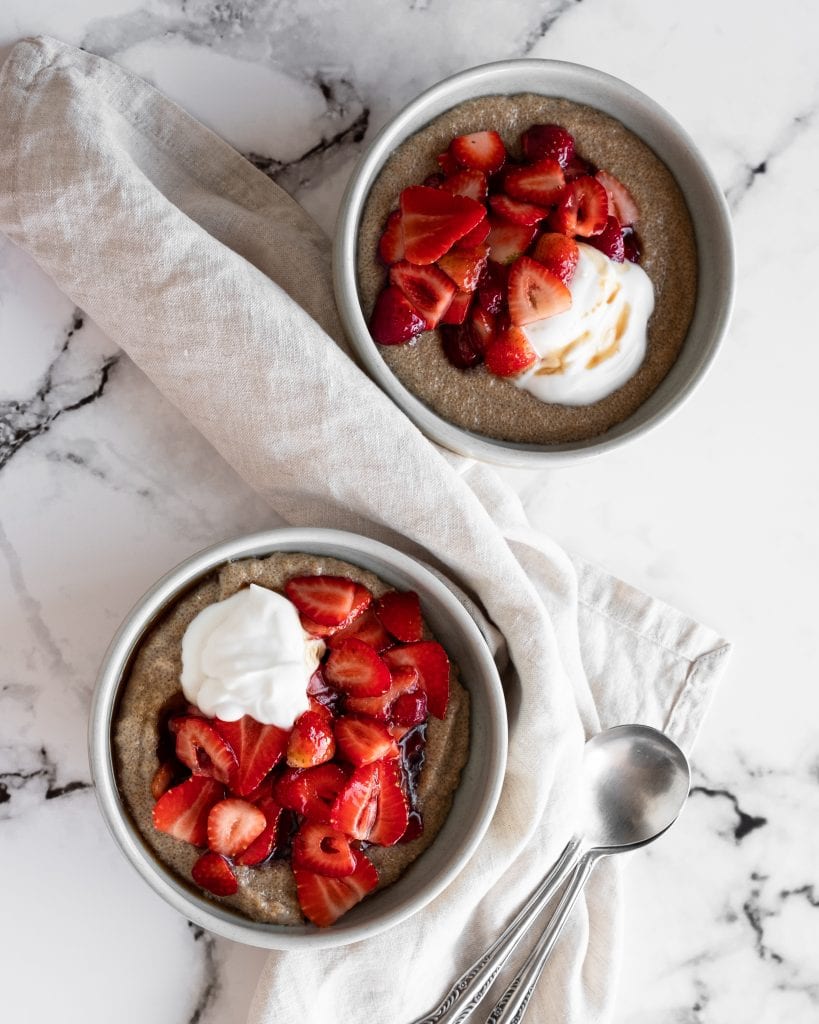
[{"x": 634, "y": 783}]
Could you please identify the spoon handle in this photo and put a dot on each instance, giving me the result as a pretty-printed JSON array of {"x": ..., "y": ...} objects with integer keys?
[
  {"x": 458, "y": 1004},
  {"x": 512, "y": 1005}
]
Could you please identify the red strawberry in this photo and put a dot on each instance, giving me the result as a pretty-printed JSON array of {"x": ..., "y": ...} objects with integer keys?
[
  {"x": 621, "y": 201},
  {"x": 394, "y": 320},
  {"x": 610, "y": 241},
  {"x": 579, "y": 168},
  {"x": 492, "y": 289},
  {"x": 458, "y": 308},
  {"x": 430, "y": 660},
  {"x": 516, "y": 212},
  {"x": 311, "y": 741},
  {"x": 540, "y": 182},
  {"x": 510, "y": 354},
  {"x": 583, "y": 208},
  {"x": 434, "y": 220},
  {"x": 447, "y": 163},
  {"x": 482, "y": 328},
  {"x": 321, "y": 849},
  {"x": 327, "y": 600},
  {"x": 410, "y": 709},
  {"x": 323, "y": 900},
  {"x": 400, "y": 613},
  {"x": 372, "y": 805},
  {"x": 262, "y": 846},
  {"x": 258, "y": 749},
  {"x": 203, "y": 750},
  {"x": 483, "y": 151},
  {"x": 162, "y": 779},
  {"x": 508, "y": 241},
  {"x": 475, "y": 237},
  {"x": 214, "y": 873},
  {"x": 402, "y": 680},
  {"x": 467, "y": 183},
  {"x": 355, "y": 668},
  {"x": 535, "y": 292},
  {"x": 548, "y": 141},
  {"x": 558, "y": 253},
  {"x": 183, "y": 811},
  {"x": 428, "y": 289},
  {"x": 233, "y": 825},
  {"x": 310, "y": 791},
  {"x": 391, "y": 243},
  {"x": 363, "y": 740},
  {"x": 464, "y": 266},
  {"x": 366, "y": 627},
  {"x": 459, "y": 347}
]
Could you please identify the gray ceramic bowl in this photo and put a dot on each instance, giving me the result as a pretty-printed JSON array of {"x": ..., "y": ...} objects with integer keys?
[
  {"x": 475, "y": 799},
  {"x": 668, "y": 140}
]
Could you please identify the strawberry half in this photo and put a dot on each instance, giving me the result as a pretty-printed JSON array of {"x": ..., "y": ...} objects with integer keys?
[
  {"x": 458, "y": 308},
  {"x": 262, "y": 846},
  {"x": 258, "y": 749},
  {"x": 400, "y": 613},
  {"x": 182, "y": 812},
  {"x": 433, "y": 220},
  {"x": 548, "y": 141},
  {"x": 327, "y": 600},
  {"x": 469, "y": 183},
  {"x": 233, "y": 825},
  {"x": 610, "y": 241},
  {"x": 355, "y": 668},
  {"x": 310, "y": 792},
  {"x": 372, "y": 805},
  {"x": 510, "y": 354},
  {"x": 321, "y": 849},
  {"x": 366, "y": 627},
  {"x": 402, "y": 681},
  {"x": 535, "y": 292},
  {"x": 427, "y": 288},
  {"x": 621, "y": 202},
  {"x": 323, "y": 900},
  {"x": 395, "y": 320},
  {"x": 391, "y": 243},
  {"x": 363, "y": 740},
  {"x": 482, "y": 151},
  {"x": 540, "y": 182},
  {"x": 583, "y": 208},
  {"x": 431, "y": 663},
  {"x": 558, "y": 253},
  {"x": 465, "y": 266},
  {"x": 515, "y": 211},
  {"x": 212, "y": 872},
  {"x": 410, "y": 709},
  {"x": 311, "y": 740},
  {"x": 203, "y": 750},
  {"x": 508, "y": 241}
]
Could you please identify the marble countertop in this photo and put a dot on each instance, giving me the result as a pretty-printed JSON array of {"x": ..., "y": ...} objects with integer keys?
[{"x": 103, "y": 486}]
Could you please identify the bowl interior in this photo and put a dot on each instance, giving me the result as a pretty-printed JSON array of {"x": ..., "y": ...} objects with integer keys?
[
  {"x": 669, "y": 141},
  {"x": 475, "y": 798}
]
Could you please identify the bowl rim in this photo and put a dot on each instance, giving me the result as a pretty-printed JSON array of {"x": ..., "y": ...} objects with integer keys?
[
  {"x": 227, "y": 923},
  {"x": 436, "y": 427}
]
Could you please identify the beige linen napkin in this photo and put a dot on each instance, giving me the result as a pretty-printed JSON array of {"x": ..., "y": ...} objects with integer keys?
[{"x": 217, "y": 285}]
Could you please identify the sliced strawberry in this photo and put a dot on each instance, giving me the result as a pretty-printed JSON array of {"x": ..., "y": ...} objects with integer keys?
[
  {"x": 311, "y": 741},
  {"x": 161, "y": 782},
  {"x": 372, "y": 805},
  {"x": 515, "y": 211},
  {"x": 482, "y": 326},
  {"x": 535, "y": 292},
  {"x": 410, "y": 709},
  {"x": 328, "y": 600},
  {"x": 465, "y": 266},
  {"x": 391, "y": 243},
  {"x": 539, "y": 183},
  {"x": 395, "y": 320},
  {"x": 510, "y": 354},
  {"x": 483, "y": 151},
  {"x": 508, "y": 241},
  {"x": 448, "y": 164},
  {"x": 212, "y": 872},
  {"x": 310, "y": 792},
  {"x": 558, "y": 253},
  {"x": 366, "y": 627},
  {"x": 434, "y": 220},
  {"x": 621, "y": 202},
  {"x": 356, "y": 668},
  {"x": 459, "y": 347},
  {"x": 316, "y": 629},
  {"x": 262, "y": 846},
  {"x": 548, "y": 141},
  {"x": 428, "y": 289},
  {"x": 323, "y": 900},
  {"x": 492, "y": 288},
  {"x": 321, "y": 849},
  {"x": 258, "y": 749},
  {"x": 578, "y": 167},
  {"x": 363, "y": 740},
  {"x": 183, "y": 811},
  {"x": 583, "y": 208},
  {"x": 610, "y": 241},
  {"x": 430, "y": 660},
  {"x": 400, "y": 613},
  {"x": 458, "y": 308},
  {"x": 475, "y": 237},
  {"x": 203, "y": 750},
  {"x": 467, "y": 183},
  {"x": 233, "y": 825},
  {"x": 402, "y": 680}
]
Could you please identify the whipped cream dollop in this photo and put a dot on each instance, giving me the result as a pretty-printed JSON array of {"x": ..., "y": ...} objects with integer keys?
[
  {"x": 248, "y": 655},
  {"x": 593, "y": 347}
]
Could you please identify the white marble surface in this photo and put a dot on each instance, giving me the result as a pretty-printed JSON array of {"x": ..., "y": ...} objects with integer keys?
[{"x": 104, "y": 486}]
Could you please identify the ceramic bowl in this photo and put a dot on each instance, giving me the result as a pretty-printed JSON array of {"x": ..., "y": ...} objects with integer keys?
[
  {"x": 670, "y": 142},
  {"x": 475, "y": 799}
]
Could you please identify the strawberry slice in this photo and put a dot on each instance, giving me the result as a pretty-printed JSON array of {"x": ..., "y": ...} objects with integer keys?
[
  {"x": 391, "y": 243},
  {"x": 395, "y": 320},
  {"x": 372, "y": 805},
  {"x": 327, "y": 600},
  {"x": 610, "y": 241},
  {"x": 510, "y": 354},
  {"x": 508, "y": 241},
  {"x": 475, "y": 237},
  {"x": 535, "y": 292},
  {"x": 482, "y": 327},
  {"x": 427, "y": 288},
  {"x": 515, "y": 211},
  {"x": 310, "y": 792},
  {"x": 583, "y": 208},
  {"x": 447, "y": 163},
  {"x": 258, "y": 749},
  {"x": 430, "y": 661},
  {"x": 402, "y": 680},
  {"x": 233, "y": 825},
  {"x": 557, "y": 253},
  {"x": 434, "y": 220},
  {"x": 323, "y": 900},
  {"x": 539, "y": 182},
  {"x": 410, "y": 709},
  {"x": 469, "y": 183},
  {"x": 161, "y": 782},
  {"x": 548, "y": 141},
  {"x": 321, "y": 849},
  {"x": 465, "y": 266},
  {"x": 311, "y": 740},
  {"x": 483, "y": 151},
  {"x": 363, "y": 740},
  {"x": 459, "y": 346},
  {"x": 621, "y": 202},
  {"x": 212, "y": 872},
  {"x": 183, "y": 811},
  {"x": 492, "y": 289},
  {"x": 356, "y": 668},
  {"x": 400, "y": 613},
  {"x": 366, "y": 627},
  {"x": 203, "y": 750},
  {"x": 262, "y": 846},
  {"x": 458, "y": 308}
]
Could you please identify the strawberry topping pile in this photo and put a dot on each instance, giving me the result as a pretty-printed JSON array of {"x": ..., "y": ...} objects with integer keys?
[
  {"x": 343, "y": 778},
  {"x": 489, "y": 244}
]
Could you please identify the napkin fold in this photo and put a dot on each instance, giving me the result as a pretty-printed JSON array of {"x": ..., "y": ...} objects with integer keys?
[{"x": 217, "y": 284}]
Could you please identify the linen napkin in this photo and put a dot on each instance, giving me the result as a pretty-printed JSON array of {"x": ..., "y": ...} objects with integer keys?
[{"x": 217, "y": 284}]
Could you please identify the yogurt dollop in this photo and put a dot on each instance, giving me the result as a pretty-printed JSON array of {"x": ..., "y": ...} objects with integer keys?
[
  {"x": 248, "y": 655},
  {"x": 597, "y": 344}
]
